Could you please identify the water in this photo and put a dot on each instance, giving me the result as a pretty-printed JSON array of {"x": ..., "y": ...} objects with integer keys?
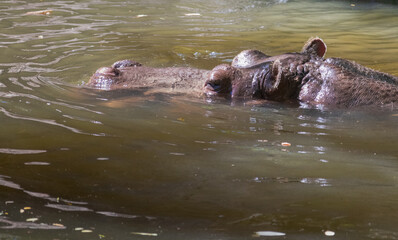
[{"x": 77, "y": 163}]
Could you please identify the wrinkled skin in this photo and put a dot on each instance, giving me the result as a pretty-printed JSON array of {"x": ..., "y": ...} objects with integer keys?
[{"x": 305, "y": 76}]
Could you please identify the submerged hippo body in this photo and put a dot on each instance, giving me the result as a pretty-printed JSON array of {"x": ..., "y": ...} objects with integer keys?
[
  {"x": 305, "y": 76},
  {"x": 128, "y": 74}
]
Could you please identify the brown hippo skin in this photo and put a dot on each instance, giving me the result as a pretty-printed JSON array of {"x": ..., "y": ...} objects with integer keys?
[{"x": 305, "y": 76}]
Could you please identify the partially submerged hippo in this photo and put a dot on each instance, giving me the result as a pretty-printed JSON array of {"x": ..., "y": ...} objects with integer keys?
[{"x": 305, "y": 76}]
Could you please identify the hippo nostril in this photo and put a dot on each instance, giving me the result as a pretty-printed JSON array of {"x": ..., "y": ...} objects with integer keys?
[
  {"x": 126, "y": 63},
  {"x": 215, "y": 87}
]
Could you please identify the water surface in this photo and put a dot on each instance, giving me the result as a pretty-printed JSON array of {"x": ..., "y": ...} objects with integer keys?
[{"x": 77, "y": 163}]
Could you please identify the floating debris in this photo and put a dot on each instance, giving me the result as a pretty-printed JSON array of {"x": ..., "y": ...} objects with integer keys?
[
  {"x": 286, "y": 144},
  {"x": 262, "y": 140},
  {"x": 58, "y": 225},
  {"x": 145, "y": 234},
  {"x": 41, "y": 12},
  {"x": 268, "y": 234},
  {"x": 329, "y": 233},
  {"x": 32, "y": 219},
  {"x": 141, "y": 16},
  {"x": 82, "y": 230}
]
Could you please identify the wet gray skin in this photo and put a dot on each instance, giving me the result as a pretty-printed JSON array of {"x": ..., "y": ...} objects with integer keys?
[
  {"x": 305, "y": 76},
  {"x": 128, "y": 74}
]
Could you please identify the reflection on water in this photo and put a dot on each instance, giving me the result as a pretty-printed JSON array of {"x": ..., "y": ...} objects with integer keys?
[
  {"x": 78, "y": 163},
  {"x": 14, "y": 225},
  {"x": 320, "y": 181},
  {"x": 20, "y": 151}
]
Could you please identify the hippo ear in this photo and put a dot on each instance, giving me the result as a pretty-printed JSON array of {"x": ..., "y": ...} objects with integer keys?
[
  {"x": 274, "y": 78},
  {"x": 315, "y": 46}
]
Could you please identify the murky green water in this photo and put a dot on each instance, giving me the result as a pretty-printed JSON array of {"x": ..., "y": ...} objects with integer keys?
[{"x": 77, "y": 163}]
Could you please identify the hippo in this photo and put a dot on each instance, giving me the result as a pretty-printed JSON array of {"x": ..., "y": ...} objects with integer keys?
[{"x": 305, "y": 76}]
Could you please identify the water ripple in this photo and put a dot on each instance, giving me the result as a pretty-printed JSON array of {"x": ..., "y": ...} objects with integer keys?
[
  {"x": 69, "y": 208},
  {"x": 6, "y": 183},
  {"x": 21, "y": 151},
  {"x": 15, "y": 94},
  {"x": 29, "y": 225},
  {"x": 121, "y": 215},
  {"x": 45, "y": 121}
]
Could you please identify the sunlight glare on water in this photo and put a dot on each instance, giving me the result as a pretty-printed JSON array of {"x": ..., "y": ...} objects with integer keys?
[{"x": 77, "y": 163}]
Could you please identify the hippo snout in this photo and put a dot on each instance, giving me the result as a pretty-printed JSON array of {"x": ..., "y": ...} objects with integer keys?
[{"x": 220, "y": 80}]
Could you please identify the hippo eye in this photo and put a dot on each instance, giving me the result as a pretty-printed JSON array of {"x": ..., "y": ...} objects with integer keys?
[{"x": 126, "y": 63}]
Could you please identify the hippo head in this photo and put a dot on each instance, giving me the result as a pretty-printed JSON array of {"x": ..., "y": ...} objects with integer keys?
[
  {"x": 255, "y": 74},
  {"x": 105, "y": 77}
]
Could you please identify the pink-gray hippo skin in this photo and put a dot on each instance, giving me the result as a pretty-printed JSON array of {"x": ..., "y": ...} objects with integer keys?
[{"x": 305, "y": 76}]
